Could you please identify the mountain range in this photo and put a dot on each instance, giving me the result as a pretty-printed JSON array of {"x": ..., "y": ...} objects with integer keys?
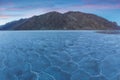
[{"x": 62, "y": 21}]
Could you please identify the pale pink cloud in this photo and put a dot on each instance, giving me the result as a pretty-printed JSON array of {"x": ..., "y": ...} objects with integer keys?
[
  {"x": 4, "y": 16},
  {"x": 2, "y": 9}
]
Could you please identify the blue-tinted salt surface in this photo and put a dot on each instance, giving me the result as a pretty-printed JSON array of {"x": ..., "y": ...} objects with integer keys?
[{"x": 59, "y": 55}]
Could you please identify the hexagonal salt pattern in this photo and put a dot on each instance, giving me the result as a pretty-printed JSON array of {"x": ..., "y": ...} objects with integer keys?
[{"x": 59, "y": 55}]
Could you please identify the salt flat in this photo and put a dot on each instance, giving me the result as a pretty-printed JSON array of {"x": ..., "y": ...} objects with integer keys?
[{"x": 59, "y": 55}]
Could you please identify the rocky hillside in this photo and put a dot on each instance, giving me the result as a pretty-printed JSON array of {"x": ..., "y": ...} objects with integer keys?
[{"x": 66, "y": 21}]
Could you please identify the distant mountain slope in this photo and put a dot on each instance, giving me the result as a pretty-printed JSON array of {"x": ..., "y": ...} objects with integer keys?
[
  {"x": 58, "y": 21},
  {"x": 12, "y": 25}
]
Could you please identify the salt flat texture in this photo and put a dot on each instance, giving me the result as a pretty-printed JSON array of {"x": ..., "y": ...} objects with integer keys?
[{"x": 59, "y": 55}]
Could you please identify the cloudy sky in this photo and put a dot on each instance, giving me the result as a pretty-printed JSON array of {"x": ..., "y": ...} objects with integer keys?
[{"x": 11, "y": 10}]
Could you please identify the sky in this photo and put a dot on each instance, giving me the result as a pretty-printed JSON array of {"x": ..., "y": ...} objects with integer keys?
[{"x": 11, "y": 10}]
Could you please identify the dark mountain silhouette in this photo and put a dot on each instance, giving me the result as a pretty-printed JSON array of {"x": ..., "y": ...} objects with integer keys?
[{"x": 66, "y": 21}]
